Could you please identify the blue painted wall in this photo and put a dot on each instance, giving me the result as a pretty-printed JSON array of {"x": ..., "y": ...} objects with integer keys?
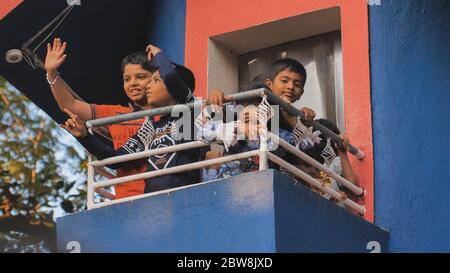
[
  {"x": 410, "y": 74},
  {"x": 260, "y": 212},
  {"x": 167, "y": 30}
]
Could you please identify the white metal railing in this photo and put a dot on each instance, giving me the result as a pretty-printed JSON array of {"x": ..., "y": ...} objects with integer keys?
[{"x": 262, "y": 152}]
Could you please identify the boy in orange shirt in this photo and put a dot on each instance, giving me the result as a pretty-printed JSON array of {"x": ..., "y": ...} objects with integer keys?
[{"x": 136, "y": 72}]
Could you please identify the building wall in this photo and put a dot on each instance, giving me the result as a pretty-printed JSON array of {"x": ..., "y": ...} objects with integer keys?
[
  {"x": 206, "y": 19},
  {"x": 6, "y": 6},
  {"x": 167, "y": 30},
  {"x": 409, "y": 50}
]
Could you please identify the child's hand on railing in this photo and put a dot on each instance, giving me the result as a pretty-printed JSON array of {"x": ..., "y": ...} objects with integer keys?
[
  {"x": 152, "y": 51},
  {"x": 74, "y": 125},
  {"x": 309, "y": 113},
  {"x": 345, "y": 142},
  {"x": 214, "y": 154},
  {"x": 217, "y": 97}
]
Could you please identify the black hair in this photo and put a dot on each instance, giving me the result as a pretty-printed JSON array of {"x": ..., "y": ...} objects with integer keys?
[
  {"x": 287, "y": 63},
  {"x": 187, "y": 76},
  {"x": 257, "y": 82},
  {"x": 139, "y": 57},
  {"x": 181, "y": 84}
]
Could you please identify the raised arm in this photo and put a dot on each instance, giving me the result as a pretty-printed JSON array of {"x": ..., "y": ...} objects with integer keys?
[
  {"x": 169, "y": 71},
  {"x": 60, "y": 89}
]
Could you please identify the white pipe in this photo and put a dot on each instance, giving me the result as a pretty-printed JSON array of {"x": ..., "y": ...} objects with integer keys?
[
  {"x": 349, "y": 185},
  {"x": 263, "y": 159},
  {"x": 145, "y": 195},
  {"x": 176, "y": 169},
  {"x": 312, "y": 181},
  {"x": 148, "y": 153},
  {"x": 90, "y": 184}
]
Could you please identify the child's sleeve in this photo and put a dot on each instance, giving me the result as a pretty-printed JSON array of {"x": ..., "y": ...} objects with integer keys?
[
  {"x": 101, "y": 150},
  {"x": 170, "y": 75},
  {"x": 135, "y": 144}
]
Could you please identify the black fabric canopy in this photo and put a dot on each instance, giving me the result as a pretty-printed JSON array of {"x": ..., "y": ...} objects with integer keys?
[{"x": 99, "y": 34}]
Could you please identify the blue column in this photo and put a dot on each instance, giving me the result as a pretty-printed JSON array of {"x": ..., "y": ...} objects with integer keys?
[{"x": 410, "y": 66}]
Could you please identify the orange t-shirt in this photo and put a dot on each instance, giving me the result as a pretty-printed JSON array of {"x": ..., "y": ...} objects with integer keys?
[{"x": 120, "y": 134}]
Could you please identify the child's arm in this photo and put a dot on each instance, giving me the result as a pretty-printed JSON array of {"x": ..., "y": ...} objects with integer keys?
[
  {"x": 168, "y": 72},
  {"x": 217, "y": 97},
  {"x": 347, "y": 170},
  {"x": 291, "y": 121},
  {"x": 76, "y": 127},
  {"x": 61, "y": 91}
]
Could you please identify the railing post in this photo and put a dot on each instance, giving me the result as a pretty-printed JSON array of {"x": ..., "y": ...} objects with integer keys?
[
  {"x": 90, "y": 183},
  {"x": 263, "y": 158}
]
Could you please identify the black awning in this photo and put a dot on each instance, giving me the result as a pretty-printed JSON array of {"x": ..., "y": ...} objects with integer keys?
[{"x": 99, "y": 35}]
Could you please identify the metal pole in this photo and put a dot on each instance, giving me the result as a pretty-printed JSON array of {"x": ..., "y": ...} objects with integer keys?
[
  {"x": 90, "y": 183},
  {"x": 349, "y": 185},
  {"x": 314, "y": 182},
  {"x": 148, "y": 153},
  {"x": 263, "y": 160},
  {"x": 163, "y": 110},
  {"x": 61, "y": 14},
  {"x": 176, "y": 169},
  {"x": 236, "y": 97}
]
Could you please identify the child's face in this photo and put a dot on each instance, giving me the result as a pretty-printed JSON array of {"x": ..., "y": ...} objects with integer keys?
[
  {"x": 288, "y": 85},
  {"x": 157, "y": 94},
  {"x": 135, "y": 80}
]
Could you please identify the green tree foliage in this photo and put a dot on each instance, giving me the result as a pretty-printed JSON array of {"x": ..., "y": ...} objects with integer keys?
[{"x": 34, "y": 181}]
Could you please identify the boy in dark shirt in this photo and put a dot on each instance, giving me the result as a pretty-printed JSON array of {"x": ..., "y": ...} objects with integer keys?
[{"x": 170, "y": 84}]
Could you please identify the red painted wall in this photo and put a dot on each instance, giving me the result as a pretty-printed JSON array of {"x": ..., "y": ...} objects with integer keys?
[
  {"x": 6, "y": 6},
  {"x": 205, "y": 18}
]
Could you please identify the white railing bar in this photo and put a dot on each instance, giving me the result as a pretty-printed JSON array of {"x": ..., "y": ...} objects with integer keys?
[
  {"x": 136, "y": 197},
  {"x": 327, "y": 132},
  {"x": 176, "y": 169},
  {"x": 166, "y": 109},
  {"x": 148, "y": 153},
  {"x": 263, "y": 159},
  {"x": 90, "y": 183},
  {"x": 314, "y": 182},
  {"x": 235, "y": 97},
  {"x": 349, "y": 185}
]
